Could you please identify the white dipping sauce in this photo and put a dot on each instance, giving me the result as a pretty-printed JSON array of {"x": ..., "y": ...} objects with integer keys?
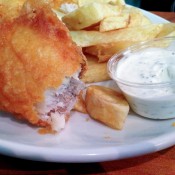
[
  {"x": 149, "y": 66},
  {"x": 153, "y": 65}
]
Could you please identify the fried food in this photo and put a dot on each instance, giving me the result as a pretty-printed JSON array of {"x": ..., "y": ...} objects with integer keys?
[
  {"x": 107, "y": 33},
  {"x": 80, "y": 104},
  {"x": 39, "y": 67},
  {"x": 113, "y": 2},
  {"x": 80, "y": 18},
  {"x": 167, "y": 29},
  {"x": 107, "y": 106},
  {"x": 96, "y": 71},
  {"x": 137, "y": 18},
  {"x": 114, "y": 22},
  {"x": 141, "y": 33},
  {"x": 10, "y": 9},
  {"x": 105, "y": 51}
]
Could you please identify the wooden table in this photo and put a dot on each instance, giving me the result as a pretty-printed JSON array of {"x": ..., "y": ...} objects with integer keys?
[{"x": 159, "y": 163}]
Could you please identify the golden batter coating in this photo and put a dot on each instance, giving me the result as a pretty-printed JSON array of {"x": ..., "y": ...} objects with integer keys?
[
  {"x": 36, "y": 53},
  {"x": 10, "y": 9}
]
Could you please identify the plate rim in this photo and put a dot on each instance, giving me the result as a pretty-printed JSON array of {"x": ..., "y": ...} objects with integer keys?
[{"x": 30, "y": 152}]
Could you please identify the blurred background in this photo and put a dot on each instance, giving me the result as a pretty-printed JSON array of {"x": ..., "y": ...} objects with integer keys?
[{"x": 154, "y": 5}]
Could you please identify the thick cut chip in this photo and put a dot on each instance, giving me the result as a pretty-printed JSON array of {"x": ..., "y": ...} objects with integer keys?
[
  {"x": 96, "y": 72},
  {"x": 112, "y": 2},
  {"x": 137, "y": 18},
  {"x": 114, "y": 22},
  {"x": 107, "y": 106},
  {"x": 105, "y": 51},
  {"x": 167, "y": 29},
  {"x": 88, "y": 15},
  {"x": 80, "y": 104},
  {"x": 135, "y": 34}
]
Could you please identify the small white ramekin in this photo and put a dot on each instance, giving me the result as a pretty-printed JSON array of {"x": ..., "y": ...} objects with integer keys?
[{"x": 160, "y": 103}]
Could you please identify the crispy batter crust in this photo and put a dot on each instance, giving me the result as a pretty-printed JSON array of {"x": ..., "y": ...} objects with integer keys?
[
  {"x": 36, "y": 53},
  {"x": 10, "y": 9}
]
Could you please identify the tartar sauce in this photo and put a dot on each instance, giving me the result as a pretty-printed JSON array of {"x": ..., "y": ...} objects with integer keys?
[
  {"x": 152, "y": 65},
  {"x": 149, "y": 66}
]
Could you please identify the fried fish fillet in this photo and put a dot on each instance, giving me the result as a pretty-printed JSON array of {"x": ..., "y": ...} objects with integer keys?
[
  {"x": 10, "y": 9},
  {"x": 39, "y": 67}
]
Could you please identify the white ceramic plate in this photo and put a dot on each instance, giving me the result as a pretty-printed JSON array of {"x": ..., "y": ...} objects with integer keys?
[{"x": 85, "y": 140}]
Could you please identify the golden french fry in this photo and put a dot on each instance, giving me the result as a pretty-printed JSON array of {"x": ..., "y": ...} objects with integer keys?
[
  {"x": 137, "y": 18},
  {"x": 114, "y": 22},
  {"x": 80, "y": 104},
  {"x": 88, "y": 15},
  {"x": 113, "y": 2},
  {"x": 167, "y": 29},
  {"x": 59, "y": 14},
  {"x": 96, "y": 71},
  {"x": 118, "y": 2},
  {"x": 172, "y": 33},
  {"x": 135, "y": 34},
  {"x": 107, "y": 106},
  {"x": 56, "y": 4},
  {"x": 105, "y": 51}
]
